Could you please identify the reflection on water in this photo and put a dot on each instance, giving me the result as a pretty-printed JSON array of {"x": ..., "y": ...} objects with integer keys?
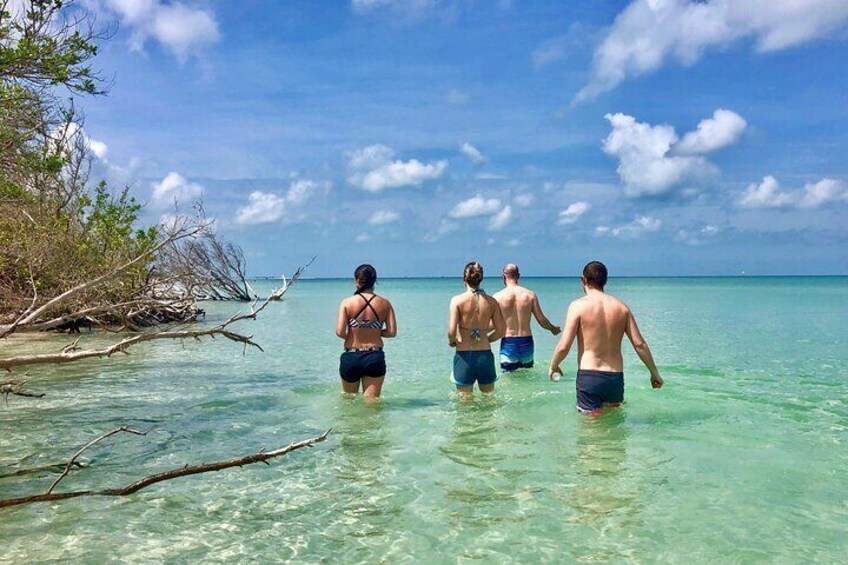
[{"x": 605, "y": 486}]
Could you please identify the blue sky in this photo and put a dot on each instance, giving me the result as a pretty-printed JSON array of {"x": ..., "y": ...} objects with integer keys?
[{"x": 663, "y": 137}]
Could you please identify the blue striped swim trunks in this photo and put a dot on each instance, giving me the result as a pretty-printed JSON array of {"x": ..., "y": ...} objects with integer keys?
[{"x": 516, "y": 353}]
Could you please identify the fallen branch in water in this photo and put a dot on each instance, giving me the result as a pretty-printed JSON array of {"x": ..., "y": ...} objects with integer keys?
[
  {"x": 16, "y": 388},
  {"x": 73, "y": 459},
  {"x": 74, "y": 353},
  {"x": 260, "y": 457}
]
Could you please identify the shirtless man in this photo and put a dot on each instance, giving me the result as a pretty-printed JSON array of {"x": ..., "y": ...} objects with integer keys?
[
  {"x": 517, "y": 303},
  {"x": 472, "y": 314},
  {"x": 600, "y": 322}
]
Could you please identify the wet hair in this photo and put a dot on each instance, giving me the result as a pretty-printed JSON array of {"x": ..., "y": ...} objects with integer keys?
[
  {"x": 511, "y": 272},
  {"x": 595, "y": 274},
  {"x": 473, "y": 274},
  {"x": 366, "y": 277}
]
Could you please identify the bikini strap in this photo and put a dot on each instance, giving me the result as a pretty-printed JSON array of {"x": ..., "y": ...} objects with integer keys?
[{"x": 367, "y": 305}]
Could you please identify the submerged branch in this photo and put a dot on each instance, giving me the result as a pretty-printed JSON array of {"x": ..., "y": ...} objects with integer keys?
[{"x": 260, "y": 457}]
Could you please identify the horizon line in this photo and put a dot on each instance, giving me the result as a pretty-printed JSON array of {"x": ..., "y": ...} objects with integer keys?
[{"x": 430, "y": 277}]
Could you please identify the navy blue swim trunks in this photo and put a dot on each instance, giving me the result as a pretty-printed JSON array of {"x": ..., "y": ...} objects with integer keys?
[
  {"x": 596, "y": 388},
  {"x": 354, "y": 365},
  {"x": 516, "y": 353},
  {"x": 474, "y": 366}
]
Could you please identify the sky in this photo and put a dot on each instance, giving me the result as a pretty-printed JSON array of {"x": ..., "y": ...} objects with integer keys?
[{"x": 663, "y": 137}]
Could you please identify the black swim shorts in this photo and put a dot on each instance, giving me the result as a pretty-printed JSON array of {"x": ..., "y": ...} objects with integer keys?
[
  {"x": 596, "y": 388},
  {"x": 354, "y": 365}
]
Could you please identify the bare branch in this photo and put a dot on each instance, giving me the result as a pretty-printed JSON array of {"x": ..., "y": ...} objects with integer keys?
[
  {"x": 259, "y": 457},
  {"x": 73, "y": 459}
]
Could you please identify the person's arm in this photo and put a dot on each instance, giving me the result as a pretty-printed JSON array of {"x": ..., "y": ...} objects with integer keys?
[
  {"x": 642, "y": 350},
  {"x": 391, "y": 324},
  {"x": 341, "y": 322},
  {"x": 572, "y": 323},
  {"x": 542, "y": 319},
  {"x": 498, "y": 322},
  {"x": 453, "y": 323}
]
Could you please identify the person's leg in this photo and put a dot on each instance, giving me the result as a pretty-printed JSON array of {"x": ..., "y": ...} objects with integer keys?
[
  {"x": 371, "y": 387},
  {"x": 462, "y": 375},
  {"x": 590, "y": 387},
  {"x": 508, "y": 355},
  {"x": 349, "y": 372},
  {"x": 350, "y": 387},
  {"x": 486, "y": 373}
]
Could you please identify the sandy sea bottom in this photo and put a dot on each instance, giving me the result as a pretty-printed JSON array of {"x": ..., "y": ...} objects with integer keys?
[{"x": 741, "y": 457}]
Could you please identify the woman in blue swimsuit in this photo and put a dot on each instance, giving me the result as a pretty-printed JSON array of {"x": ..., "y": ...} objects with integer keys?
[
  {"x": 473, "y": 314},
  {"x": 364, "y": 320}
]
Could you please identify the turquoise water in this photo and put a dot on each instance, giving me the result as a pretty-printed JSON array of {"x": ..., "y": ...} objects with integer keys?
[{"x": 741, "y": 457}]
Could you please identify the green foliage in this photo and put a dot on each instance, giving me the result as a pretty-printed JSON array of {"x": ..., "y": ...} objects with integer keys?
[{"x": 55, "y": 229}]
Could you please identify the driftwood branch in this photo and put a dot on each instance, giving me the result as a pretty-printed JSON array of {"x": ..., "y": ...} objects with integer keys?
[
  {"x": 74, "y": 353},
  {"x": 73, "y": 459},
  {"x": 16, "y": 388},
  {"x": 260, "y": 457},
  {"x": 32, "y": 314}
]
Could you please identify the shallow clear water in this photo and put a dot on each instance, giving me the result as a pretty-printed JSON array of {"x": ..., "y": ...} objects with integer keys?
[{"x": 742, "y": 456}]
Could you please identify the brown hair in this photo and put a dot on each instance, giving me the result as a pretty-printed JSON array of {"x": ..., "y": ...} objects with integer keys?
[
  {"x": 595, "y": 274},
  {"x": 365, "y": 276},
  {"x": 473, "y": 274}
]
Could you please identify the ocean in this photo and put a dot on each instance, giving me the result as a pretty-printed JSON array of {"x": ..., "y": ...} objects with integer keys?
[{"x": 740, "y": 457}]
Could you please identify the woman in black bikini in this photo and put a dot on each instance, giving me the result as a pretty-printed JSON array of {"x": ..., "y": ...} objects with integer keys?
[{"x": 364, "y": 320}]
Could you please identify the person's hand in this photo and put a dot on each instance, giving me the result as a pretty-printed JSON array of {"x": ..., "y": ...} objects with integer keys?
[
  {"x": 452, "y": 343},
  {"x": 554, "y": 373},
  {"x": 656, "y": 381},
  {"x": 556, "y": 330}
]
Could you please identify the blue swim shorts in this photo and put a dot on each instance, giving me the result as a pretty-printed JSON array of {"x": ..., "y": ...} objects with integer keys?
[
  {"x": 474, "y": 366},
  {"x": 516, "y": 353},
  {"x": 596, "y": 388}
]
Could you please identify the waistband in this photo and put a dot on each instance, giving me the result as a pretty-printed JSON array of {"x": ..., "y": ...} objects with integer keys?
[
  {"x": 517, "y": 339},
  {"x": 594, "y": 373},
  {"x": 361, "y": 349}
]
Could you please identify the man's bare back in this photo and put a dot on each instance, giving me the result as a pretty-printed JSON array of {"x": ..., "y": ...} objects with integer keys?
[{"x": 517, "y": 305}]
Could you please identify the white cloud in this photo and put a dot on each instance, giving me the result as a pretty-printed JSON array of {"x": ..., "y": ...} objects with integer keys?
[
  {"x": 457, "y": 98},
  {"x": 648, "y": 162},
  {"x": 174, "y": 187},
  {"x": 382, "y": 217},
  {"x": 768, "y": 194},
  {"x": 301, "y": 190},
  {"x": 262, "y": 208},
  {"x": 444, "y": 228},
  {"x": 549, "y": 51},
  {"x": 823, "y": 192},
  {"x": 475, "y": 206},
  {"x": 374, "y": 169},
  {"x": 723, "y": 129},
  {"x": 697, "y": 237},
  {"x": 362, "y": 238},
  {"x": 513, "y": 242},
  {"x": 573, "y": 213},
  {"x": 184, "y": 30},
  {"x": 501, "y": 219},
  {"x": 489, "y": 176},
  {"x": 472, "y": 153},
  {"x": 524, "y": 200},
  {"x": 636, "y": 228},
  {"x": 649, "y": 32}
]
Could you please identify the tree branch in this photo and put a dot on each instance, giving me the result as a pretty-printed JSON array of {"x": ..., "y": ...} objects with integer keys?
[
  {"x": 260, "y": 457},
  {"x": 73, "y": 459}
]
